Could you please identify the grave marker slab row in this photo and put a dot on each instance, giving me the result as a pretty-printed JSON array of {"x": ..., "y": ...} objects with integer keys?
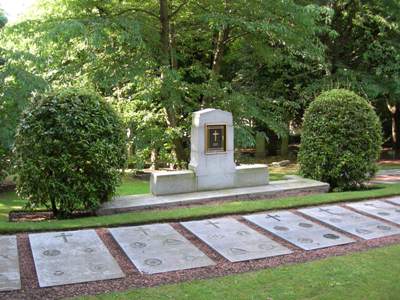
[
  {"x": 298, "y": 230},
  {"x": 395, "y": 200},
  {"x": 159, "y": 248},
  {"x": 72, "y": 257},
  {"x": 351, "y": 222},
  {"x": 234, "y": 240},
  {"x": 9, "y": 265},
  {"x": 379, "y": 209}
]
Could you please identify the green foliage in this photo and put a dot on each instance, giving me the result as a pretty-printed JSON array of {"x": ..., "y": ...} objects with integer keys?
[
  {"x": 3, "y": 18},
  {"x": 69, "y": 149},
  {"x": 341, "y": 140},
  {"x": 114, "y": 48}
]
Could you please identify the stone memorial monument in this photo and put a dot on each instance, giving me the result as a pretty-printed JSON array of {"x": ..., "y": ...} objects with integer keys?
[{"x": 212, "y": 165}]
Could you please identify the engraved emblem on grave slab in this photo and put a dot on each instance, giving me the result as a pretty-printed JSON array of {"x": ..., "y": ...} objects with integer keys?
[
  {"x": 382, "y": 213},
  {"x": 331, "y": 236},
  {"x": 305, "y": 225},
  {"x": 363, "y": 231},
  {"x": 53, "y": 252},
  {"x": 305, "y": 240},
  {"x": 238, "y": 251},
  {"x": 153, "y": 262},
  {"x": 384, "y": 227},
  {"x": 172, "y": 242},
  {"x": 138, "y": 245},
  {"x": 58, "y": 273},
  {"x": 281, "y": 228},
  {"x": 242, "y": 233},
  {"x": 266, "y": 247},
  {"x": 215, "y": 138}
]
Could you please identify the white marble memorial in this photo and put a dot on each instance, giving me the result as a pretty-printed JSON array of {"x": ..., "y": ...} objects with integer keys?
[
  {"x": 351, "y": 222},
  {"x": 72, "y": 257},
  {"x": 212, "y": 165},
  {"x": 234, "y": 240},
  {"x": 298, "y": 230},
  {"x": 159, "y": 248},
  {"x": 9, "y": 265},
  {"x": 380, "y": 209}
]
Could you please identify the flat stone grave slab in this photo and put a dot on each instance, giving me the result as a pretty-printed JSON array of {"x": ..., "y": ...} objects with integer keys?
[
  {"x": 72, "y": 257},
  {"x": 395, "y": 200},
  {"x": 379, "y": 209},
  {"x": 9, "y": 265},
  {"x": 298, "y": 230},
  {"x": 351, "y": 222},
  {"x": 159, "y": 248},
  {"x": 234, "y": 240}
]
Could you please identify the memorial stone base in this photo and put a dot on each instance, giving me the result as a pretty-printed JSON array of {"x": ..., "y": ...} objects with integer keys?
[{"x": 212, "y": 164}]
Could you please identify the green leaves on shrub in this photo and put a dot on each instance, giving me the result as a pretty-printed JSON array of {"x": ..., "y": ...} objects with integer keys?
[
  {"x": 341, "y": 140},
  {"x": 69, "y": 149}
]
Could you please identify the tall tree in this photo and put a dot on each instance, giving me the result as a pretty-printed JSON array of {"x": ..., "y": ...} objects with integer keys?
[{"x": 159, "y": 60}]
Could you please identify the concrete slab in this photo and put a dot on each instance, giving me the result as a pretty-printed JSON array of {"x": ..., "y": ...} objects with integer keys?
[
  {"x": 9, "y": 266},
  {"x": 298, "y": 230},
  {"x": 351, "y": 222},
  {"x": 72, "y": 257},
  {"x": 294, "y": 185},
  {"x": 159, "y": 248},
  {"x": 395, "y": 200},
  {"x": 234, "y": 240},
  {"x": 380, "y": 209}
]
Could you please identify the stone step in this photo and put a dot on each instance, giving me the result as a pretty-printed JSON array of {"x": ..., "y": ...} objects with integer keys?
[{"x": 294, "y": 185}]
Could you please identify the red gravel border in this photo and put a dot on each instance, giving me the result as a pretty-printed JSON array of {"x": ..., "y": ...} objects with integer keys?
[{"x": 30, "y": 287}]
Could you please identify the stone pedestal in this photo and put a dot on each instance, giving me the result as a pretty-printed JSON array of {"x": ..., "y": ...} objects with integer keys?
[{"x": 212, "y": 165}]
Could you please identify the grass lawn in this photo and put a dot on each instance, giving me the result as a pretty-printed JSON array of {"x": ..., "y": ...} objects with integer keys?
[
  {"x": 372, "y": 274},
  {"x": 9, "y": 201}
]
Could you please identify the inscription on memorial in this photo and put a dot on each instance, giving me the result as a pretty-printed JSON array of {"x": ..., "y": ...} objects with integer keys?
[{"x": 215, "y": 138}]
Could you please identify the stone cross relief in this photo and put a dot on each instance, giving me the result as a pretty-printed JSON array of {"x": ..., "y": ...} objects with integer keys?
[
  {"x": 328, "y": 211},
  {"x": 215, "y": 134},
  {"x": 275, "y": 217},
  {"x": 64, "y": 236},
  {"x": 142, "y": 230},
  {"x": 215, "y": 224}
]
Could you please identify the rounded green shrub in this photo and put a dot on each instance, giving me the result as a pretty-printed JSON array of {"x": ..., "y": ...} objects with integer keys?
[
  {"x": 70, "y": 147},
  {"x": 341, "y": 140}
]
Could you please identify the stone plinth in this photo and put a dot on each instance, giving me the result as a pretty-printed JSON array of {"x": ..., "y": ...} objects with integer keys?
[{"x": 212, "y": 165}]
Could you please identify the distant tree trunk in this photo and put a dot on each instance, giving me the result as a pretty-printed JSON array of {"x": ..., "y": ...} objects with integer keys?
[
  {"x": 166, "y": 62},
  {"x": 219, "y": 50},
  {"x": 285, "y": 145},
  {"x": 395, "y": 114},
  {"x": 153, "y": 159}
]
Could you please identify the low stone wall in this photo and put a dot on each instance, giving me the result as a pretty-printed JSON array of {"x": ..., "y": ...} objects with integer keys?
[{"x": 178, "y": 182}]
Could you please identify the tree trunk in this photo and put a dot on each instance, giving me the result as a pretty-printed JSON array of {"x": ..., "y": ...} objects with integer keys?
[
  {"x": 219, "y": 49},
  {"x": 395, "y": 114},
  {"x": 285, "y": 145},
  {"x": 166, "y": 60},
  {"x": 54, "y": 206}
]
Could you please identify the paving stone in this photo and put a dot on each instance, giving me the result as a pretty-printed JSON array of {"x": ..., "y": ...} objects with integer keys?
[
  {"x": 159, "y": 248},
  {"x": 9, "y": 265},
  {"x": 379, "y": 209},
  {"x": 72, "y": 257},
  {"x": 298, "y": 230},
  {"x": 351, "y": 222},
  {"x": 395, "y": 200},
  {"x": 234, "y": 240}
]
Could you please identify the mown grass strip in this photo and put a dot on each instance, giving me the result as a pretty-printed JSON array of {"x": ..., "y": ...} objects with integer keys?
[{"x": 197, "y": 212}]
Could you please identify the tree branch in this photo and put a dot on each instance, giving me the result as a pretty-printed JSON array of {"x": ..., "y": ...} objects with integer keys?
[
  {"x": 178, "y": 9},
  {"x": 135, "y": 9}
]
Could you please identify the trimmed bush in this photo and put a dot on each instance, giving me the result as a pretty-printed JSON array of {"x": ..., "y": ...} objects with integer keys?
[
  {"x": 69, "y": 149},
  {"x": 341, "y": 140}
]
